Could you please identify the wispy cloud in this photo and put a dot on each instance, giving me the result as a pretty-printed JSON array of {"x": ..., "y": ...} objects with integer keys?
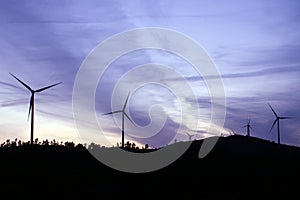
[{"x": 257, "y": 73}]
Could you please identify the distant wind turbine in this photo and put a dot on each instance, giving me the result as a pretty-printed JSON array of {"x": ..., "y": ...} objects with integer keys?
[
  {"x": 124, "y": 114},
  {"x": 248, "y": 126},
  {"x": 277, "y": 121},
  {"x": 233, "y": 132},
  {"x": 31, "y": 105},
  {"x": 189, "y": 135}
]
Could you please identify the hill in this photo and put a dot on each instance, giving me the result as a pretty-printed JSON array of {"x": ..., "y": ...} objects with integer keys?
[{"x": 237, "y": 166}]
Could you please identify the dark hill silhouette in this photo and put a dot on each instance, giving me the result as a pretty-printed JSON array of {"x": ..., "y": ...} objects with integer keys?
[{"x": 227, "y": 171}]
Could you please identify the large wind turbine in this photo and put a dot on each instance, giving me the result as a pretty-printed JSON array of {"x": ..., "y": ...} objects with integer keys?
[
  {"x": 31, "y": 105},
  {"x": 277, "y": 121},
  {"x": 124, "y": 114},
  {"x": 248, "y": 128}
]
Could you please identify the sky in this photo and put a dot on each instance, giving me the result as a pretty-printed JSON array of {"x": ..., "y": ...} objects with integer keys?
[{"x": 255, "y": 46}]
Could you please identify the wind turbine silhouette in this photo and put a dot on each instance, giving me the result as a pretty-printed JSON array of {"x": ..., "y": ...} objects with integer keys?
[
  {"x": 31, "y": 105},
  {"x": 189, "y": 135},
  {"x": 233, "y": 132},
  {"x": 124, "y": 114},
  {"x": 248, "y": 128},
  {"x": 277, "y": 121}
]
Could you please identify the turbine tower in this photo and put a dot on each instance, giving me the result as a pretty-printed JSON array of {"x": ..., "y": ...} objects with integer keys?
[
  {"x": 31, "y": 105},
  {"x": 277, "y": 121},
  {"x": 124, "y": 114},
  {"x": 248, "y": 126}
]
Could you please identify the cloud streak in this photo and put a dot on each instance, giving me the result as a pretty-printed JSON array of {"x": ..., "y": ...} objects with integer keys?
[{"x": 263, "y": 72}]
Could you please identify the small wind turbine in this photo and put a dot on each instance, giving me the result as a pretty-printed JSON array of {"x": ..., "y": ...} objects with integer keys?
[
  {"x": 233, "y": 132},
  {"x": 248, "y": 126},
  {"x": 124, "y": 114},
  {"x": 189, "y": 135},
  {"x": 31, "y": 106},
  {"x": 277, "y": 121}
]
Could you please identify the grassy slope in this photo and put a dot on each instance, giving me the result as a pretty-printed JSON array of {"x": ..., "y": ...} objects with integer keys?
[{"x": 226, "y": 171}]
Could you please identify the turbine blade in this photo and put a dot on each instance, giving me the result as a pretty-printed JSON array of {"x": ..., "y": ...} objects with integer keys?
[
  {"x": 248, "y": 121},
  {"x": 126, "y": 101},
  {"x": 286, "y": 117},
  {"x": 129, "y": 118},
  {"x": 113, "y": 112},
  {"x": 24, "y": 84},
  {"x": 188, "y": 134},
  {"x": 273, "y": 125},
  {"x": 273, "y": 110},
  {"x": 232, "y": 131},
  {"x": 50, "y": 86},
  {"x": 30, "y": 106}
]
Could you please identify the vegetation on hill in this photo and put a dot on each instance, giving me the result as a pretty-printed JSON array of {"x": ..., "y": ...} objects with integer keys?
[{"x": 235, "y": 160}]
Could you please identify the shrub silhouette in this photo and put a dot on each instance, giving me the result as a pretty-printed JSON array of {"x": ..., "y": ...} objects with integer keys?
[{"x": 130, "y": 146}]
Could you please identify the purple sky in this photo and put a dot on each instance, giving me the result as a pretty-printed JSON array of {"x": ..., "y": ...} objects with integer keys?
[{"x": 255, "y": 46}]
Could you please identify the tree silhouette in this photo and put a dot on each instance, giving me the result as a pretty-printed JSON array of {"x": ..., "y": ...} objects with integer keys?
[{"x": 133, "y": 145}]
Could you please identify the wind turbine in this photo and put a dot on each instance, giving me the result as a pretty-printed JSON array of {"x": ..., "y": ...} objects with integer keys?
[
  {"x": 124, "y": 114},
  {"x": 31, "y": 105},
  {"x": 248, "y": 126},
  {"x": 189, "y": 135},
  {"x": 233, "y": 132},
  {"x": 277, "y": 121}
]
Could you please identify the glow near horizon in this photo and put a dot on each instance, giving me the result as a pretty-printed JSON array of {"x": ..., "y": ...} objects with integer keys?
[{"x": 242, "y": 38}]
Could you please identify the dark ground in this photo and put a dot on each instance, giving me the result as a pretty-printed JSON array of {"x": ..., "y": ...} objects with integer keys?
[{"x": 237, "y": 168}]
